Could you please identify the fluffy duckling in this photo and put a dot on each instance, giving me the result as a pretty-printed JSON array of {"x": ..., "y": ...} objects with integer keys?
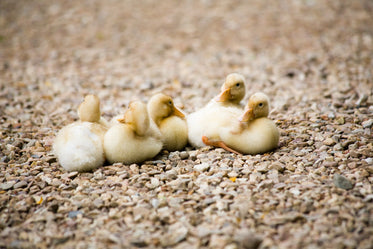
[
  {"x": 253, "y": 133},
  {"x": 133, "y": 140},
  {"x": 78, "y": 146},
  {"x": 218, "y": 112},
  {"x": 170, "y": 121},
  {"x": 232, "y": 91}
]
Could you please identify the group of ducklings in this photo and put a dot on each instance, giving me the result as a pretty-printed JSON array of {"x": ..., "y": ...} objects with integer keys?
[{"x": 145, "y": 129}]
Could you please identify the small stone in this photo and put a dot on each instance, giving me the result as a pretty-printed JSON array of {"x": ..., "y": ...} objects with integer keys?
[
  {"x": 7, "y": 185},
  {"x": 342, "y": 182},
  {"x": 340, "y": 120},
  {"x": 367, "y": 123},
  {"x": 74, "y": 214},
  {"x": 329, "y": 141},
  {"x": 202, "y": 167},
  {"x": 193, "y": 155},
  {"x": 369, "y": 169},
  {"x": 184, "y": 155},
  {"x": 290, "y": 167},
  {"x": 56, "y": 183},
  {"x": 263, "y": 168},
  {"x": 154, "y": 183},
  {"x": 177, "y": 233},
  {"x": 246, "y": 239},
  {"x": 218, "y": 241},
  {"x": 50, "y": 159},
  {"x": 363, "y": 98},
  {"x": 73, "y": 174},
  {"x": 98, "y": 203},
  {"x": 338, "y": 147},
  {"x": 277, "y": 166},
  {"x": 175, "y": 155},
  {"x": 20, "y": 184},
  {"x": 232, "y": 174}
]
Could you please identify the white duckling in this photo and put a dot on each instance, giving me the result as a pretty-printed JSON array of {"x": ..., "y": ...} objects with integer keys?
[
  {"x": 170, "y": 121},
  {"x": 78, "y": 146},
  {"x": 218, "y": 112},
  {"x": 133, "y": 140},
  {"x": 253, "y": 133}
]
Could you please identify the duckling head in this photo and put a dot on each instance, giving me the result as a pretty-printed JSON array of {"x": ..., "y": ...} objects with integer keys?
[
  {"x": 257, "y": 107},
  {"x": 161, "y": 106},
  {"x": 136, "y": 117},
  {"x": 89, "y": 109},
  {"x": 233, "y": 89}
]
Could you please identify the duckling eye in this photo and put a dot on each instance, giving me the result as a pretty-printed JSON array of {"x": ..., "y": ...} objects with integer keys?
[
  {"x": 170, "y": 102},
  {"x": 238, "y": 84},
  {"x": 260, "y": 104}
]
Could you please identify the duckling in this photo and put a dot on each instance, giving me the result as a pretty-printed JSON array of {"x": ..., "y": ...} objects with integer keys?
[
  {"x": 232, "y": 91},
  {"x": 252, "y": 133},
  {"x": 170, "y": 121},
  {"x": 133, "y": 140},
  {"x": 78, "y": 146},
  {"x": 218, "y": 112}
]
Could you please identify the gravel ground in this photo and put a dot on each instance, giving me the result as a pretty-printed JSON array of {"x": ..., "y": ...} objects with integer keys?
[{"x": 313, "y": 58}]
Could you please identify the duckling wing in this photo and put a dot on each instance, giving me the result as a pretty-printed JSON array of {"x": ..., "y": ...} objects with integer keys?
[
  {"x": 122, "y": 145},
  {"x": 208, "y": 121},
  {"x": 260, "y": 136}
]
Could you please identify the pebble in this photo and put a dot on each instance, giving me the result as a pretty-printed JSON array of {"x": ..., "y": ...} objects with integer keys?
[
  {"x": 367, "y": 123},
  {"x": 184, "y": 155},
  {"x": 290, "y": 167},
  {"x": 329, "y": 141},
  {"x": 98, "y": 203},
  {"x": 74, "y": 214},
  {"x": 248, "y": 240},
  {"x": 342, "y": 182},
  {"x": 369, "y": 169},
  {"x": 56, "y": 183},
  {"x": 7, "y": 185},
  {"x": 20, "y": 184},
  {"x": 72, "y": 174},
  {"x": 177, "y": 232},
  {"x": 202, "y": 167},
  {"x": 263, "y": 168},
  {"x": 277, "y": 166},
  {"x": 340, "y": 120}
]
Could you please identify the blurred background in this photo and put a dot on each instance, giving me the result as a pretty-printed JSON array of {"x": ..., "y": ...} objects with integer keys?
[{"x": 125, "y": 50}]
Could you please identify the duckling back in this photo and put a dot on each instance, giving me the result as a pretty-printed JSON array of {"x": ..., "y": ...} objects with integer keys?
[
  {"x": 121, "y": 144},
  {"x": 208, "y": 121},
  {"x": 259, "y": 136},
  {"x": 78, "y": 146}
]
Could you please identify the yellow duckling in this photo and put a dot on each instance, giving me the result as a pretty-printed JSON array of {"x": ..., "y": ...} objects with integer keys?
[
  {"x": 133, "y": 140},
  {"x": 78, "y": 146},
  {"x": 232, "y": 91},
  {"x": 170, "y": 121},
  {"x": 253, "y": 133},
  {"x": 218, "y": 112}
]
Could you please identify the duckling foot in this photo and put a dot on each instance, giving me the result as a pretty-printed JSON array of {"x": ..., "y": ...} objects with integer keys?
[{"x": 219, "y": 144}]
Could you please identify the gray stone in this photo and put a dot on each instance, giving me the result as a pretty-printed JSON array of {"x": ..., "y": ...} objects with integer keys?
[{"x": 342, "y": 182}]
